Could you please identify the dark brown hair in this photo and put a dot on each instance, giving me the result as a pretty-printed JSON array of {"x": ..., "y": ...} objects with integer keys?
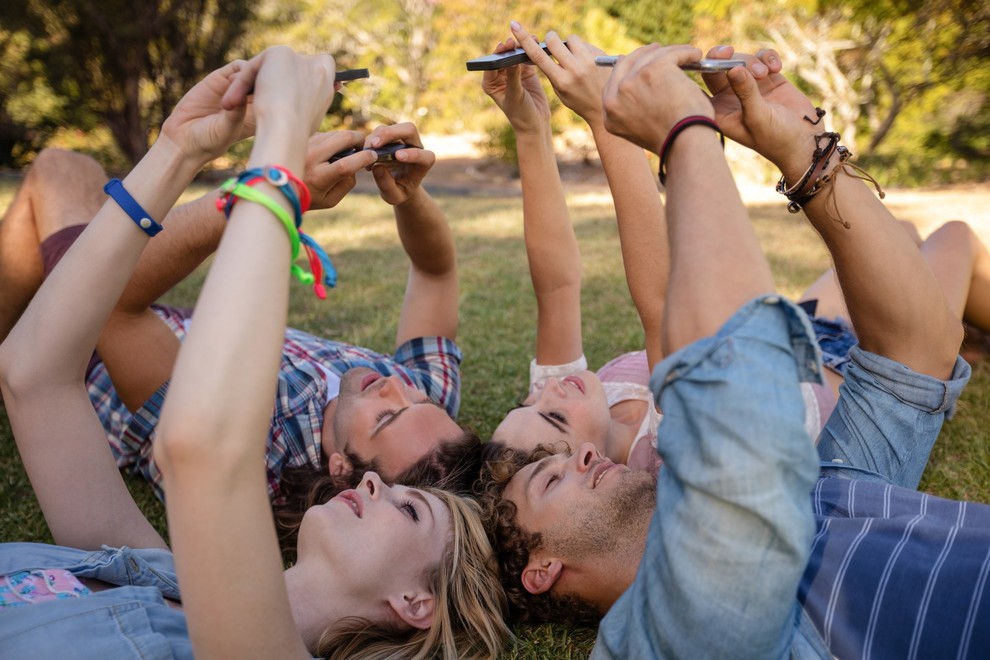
[{"x": 513, "y": 544}]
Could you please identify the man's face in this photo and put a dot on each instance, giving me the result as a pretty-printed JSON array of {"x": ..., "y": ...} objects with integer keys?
[
  {"x": 382, "y": 419},
  {"x": 584, "y": 505}
]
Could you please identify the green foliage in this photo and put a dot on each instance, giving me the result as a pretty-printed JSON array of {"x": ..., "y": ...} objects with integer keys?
[
  {"x": 118, "y": 63},
  {"x": 648, "y": 21}
]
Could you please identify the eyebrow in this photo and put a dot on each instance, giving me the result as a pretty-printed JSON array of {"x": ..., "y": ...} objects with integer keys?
[
  {"x": 422, "y": 498},
  {"x": 542, "y": 465},
  {"x": 389, "y": 421},
  {"x": 552, "y": 422}
]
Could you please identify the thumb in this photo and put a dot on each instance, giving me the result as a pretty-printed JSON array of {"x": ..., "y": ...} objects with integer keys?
[{"x": 746, "y": 89}]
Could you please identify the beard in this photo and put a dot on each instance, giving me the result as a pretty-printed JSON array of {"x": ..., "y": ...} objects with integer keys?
[{"x": 616, "y": 527}]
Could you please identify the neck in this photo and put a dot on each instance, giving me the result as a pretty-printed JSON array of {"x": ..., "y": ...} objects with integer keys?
[
  {"x": 318, "y": 600},
  {"x": 627, "y": 417},
  {"x": 599, "y": 583}
]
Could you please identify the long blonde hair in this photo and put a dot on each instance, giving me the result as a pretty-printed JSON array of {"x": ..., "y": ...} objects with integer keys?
[{"x": 469, "y": 616}]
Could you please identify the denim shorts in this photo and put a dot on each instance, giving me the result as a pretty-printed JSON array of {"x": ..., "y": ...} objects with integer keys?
[{"x": 835, "y": 338}]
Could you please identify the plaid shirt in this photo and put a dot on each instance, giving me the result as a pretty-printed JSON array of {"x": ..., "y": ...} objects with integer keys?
[{"x": 430, "y": 364}]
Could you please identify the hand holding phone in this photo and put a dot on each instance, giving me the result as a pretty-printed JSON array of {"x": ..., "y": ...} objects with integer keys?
[
  {"x": 386, "y": 152},
  {"x": 705, "y": 66},
  {"x": 498, "y": 61}
]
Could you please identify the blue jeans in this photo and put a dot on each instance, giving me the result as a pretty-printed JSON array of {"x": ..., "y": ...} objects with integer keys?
[
  {"x": 129, "y": 621},
  {"x": 731, "y": 533}
]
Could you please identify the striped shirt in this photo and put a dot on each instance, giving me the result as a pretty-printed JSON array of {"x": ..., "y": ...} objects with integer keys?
[
  {"x": 895, "y": 573},
  {"x": 309, "y": 363}
]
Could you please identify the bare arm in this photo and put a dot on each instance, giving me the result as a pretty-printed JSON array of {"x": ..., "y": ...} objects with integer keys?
[
  {"x": 716, "y": 262},
  {"x": 893, "y": 299},
  {"x": 139, "y": 350},
  {"x": 638, "y": 209},
  {"x": 62, "y": 444},
  {"x": 214, "y": 424},
  {"x": 430, "y": 305},
  {"x": 551, "y": 245}
]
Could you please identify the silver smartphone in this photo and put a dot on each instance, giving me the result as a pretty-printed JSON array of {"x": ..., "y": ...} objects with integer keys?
[{"x": 705, "y": 66}]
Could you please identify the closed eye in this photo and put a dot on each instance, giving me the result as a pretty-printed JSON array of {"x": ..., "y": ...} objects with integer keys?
[
  {"x": 410, "y": 510},
  {"x": 553, "y": 478}
]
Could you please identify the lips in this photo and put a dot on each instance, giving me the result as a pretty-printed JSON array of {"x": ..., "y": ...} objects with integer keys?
[
  {"x": 599, "y": 472},
  {"x": 368, "y": 380},
  {"x": 353, "y": 500},
  {"x": 576, "y": 382}
]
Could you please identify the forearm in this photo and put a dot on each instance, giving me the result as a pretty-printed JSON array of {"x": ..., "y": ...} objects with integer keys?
[
  {"x": 551, "y": 250},
  {"x": 425, "y": 235},
  {"x": 715, "y": 256},
  {"x": 642, "y": 230},
  {"x": 893, "y": 299},
  {"x": 241, "y": 311}
]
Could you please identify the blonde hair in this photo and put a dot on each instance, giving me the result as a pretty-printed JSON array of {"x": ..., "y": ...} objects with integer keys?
[{"x": 470, "y": 606}]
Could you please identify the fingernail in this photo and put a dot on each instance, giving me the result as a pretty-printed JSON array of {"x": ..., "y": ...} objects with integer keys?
[
  {"x": 760, "y": 69},
  {"x": 551, "y": 33},
  {"x": 514, "y": 25},
  {"x": 376, "y": 141}
]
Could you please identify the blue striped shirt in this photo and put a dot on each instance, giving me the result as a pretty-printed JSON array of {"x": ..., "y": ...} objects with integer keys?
[{"x": 895, "y": 573}]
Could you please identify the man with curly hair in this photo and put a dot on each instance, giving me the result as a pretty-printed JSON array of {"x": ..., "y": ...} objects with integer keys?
[{"x": 736, "y": 559}]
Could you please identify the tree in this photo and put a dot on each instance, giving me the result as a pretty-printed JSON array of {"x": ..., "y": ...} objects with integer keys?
[{"x": 124, "y": 63}]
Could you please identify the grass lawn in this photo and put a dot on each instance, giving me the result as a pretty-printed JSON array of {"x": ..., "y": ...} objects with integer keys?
[{"x": 497, "y": 314}]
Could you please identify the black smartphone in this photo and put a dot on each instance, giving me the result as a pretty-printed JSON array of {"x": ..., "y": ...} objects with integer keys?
[
  {"x": 351, "y": 74},
  {"x": 501, "y": 60},
  {"x": 705, "y": 66},
  {"x": 386, "y": 152}
]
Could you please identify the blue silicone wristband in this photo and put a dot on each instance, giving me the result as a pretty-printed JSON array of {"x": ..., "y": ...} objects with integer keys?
[{"x": 141, "y": 218}]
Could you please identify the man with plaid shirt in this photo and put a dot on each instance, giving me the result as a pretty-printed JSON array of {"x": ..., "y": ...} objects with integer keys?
[{"x": 339, "y": 409}]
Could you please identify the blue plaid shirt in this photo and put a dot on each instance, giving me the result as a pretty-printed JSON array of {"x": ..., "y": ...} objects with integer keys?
[{"x": 430, "y": 364}]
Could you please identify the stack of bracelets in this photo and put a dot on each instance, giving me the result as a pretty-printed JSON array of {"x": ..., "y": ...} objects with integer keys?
[
  {"x": 813, "y": 181},
  {"x": 239, "y": 187}
]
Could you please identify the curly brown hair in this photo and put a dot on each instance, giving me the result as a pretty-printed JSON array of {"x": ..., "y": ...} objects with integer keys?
[
  {"x": 451, "y": 467},
  {"x": 513, "y": 544}
]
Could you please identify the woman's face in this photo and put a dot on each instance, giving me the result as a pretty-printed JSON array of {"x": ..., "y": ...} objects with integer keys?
[
  {"x": 376, "y": 536},
  {"x": 572, "y": 410}
]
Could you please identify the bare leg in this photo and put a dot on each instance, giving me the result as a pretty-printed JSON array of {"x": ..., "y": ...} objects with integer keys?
[{"x": 35, "y": 214}]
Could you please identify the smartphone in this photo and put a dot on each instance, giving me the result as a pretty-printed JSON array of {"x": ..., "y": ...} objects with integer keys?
[
  {"x": 705, "y": 66},
  {"x": 351, "y": 74},
  {"x": 386, "y": 152},
  {"x": 502, "y": 60}
]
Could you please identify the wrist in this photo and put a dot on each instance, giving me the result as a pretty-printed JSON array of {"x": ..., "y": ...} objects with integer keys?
[{"x": 169, "y": 156}]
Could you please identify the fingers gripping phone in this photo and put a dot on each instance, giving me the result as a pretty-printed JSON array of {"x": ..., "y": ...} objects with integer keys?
[
  {"x": 498, "y": 61},
  {"x": 386, "y": 152}
]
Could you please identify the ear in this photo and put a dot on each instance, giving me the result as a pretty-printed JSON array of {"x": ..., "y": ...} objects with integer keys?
[
  {"x": 338, "y": 464},
  {"x": 540, "y": 575},
  {"x": 416, "y": 609}
]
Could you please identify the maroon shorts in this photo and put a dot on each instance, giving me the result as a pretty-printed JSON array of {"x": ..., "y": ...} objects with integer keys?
[{"x": 55, "y": 246}]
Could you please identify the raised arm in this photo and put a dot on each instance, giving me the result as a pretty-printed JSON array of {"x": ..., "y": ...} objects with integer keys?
[
  {"x": 215, "y": 420},
  {"x": 638, "y": 209},
  {"x": 551, "y": 246},
  {"x": 42, "y": 362},
  {"x": 137, "y": 347},
  {"x": 431, "y": 300},
  {"x": 727, "y": 272},
  {"x": 875, "y": 261}
]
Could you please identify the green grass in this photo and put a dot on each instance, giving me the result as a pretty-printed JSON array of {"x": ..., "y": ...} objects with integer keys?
[{"x": 497, "y": 334}]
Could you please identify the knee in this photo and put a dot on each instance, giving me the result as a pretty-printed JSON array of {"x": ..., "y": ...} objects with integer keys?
[
  {"x": 57, "y": 166},
  {"x": 956, "y": 235}
]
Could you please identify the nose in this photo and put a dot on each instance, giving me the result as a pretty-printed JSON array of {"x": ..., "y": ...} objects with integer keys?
[
  {"x": 373, "y": 483},
  {"x": 394, "y": 390},
  {"x": 586, "y": 456}
]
